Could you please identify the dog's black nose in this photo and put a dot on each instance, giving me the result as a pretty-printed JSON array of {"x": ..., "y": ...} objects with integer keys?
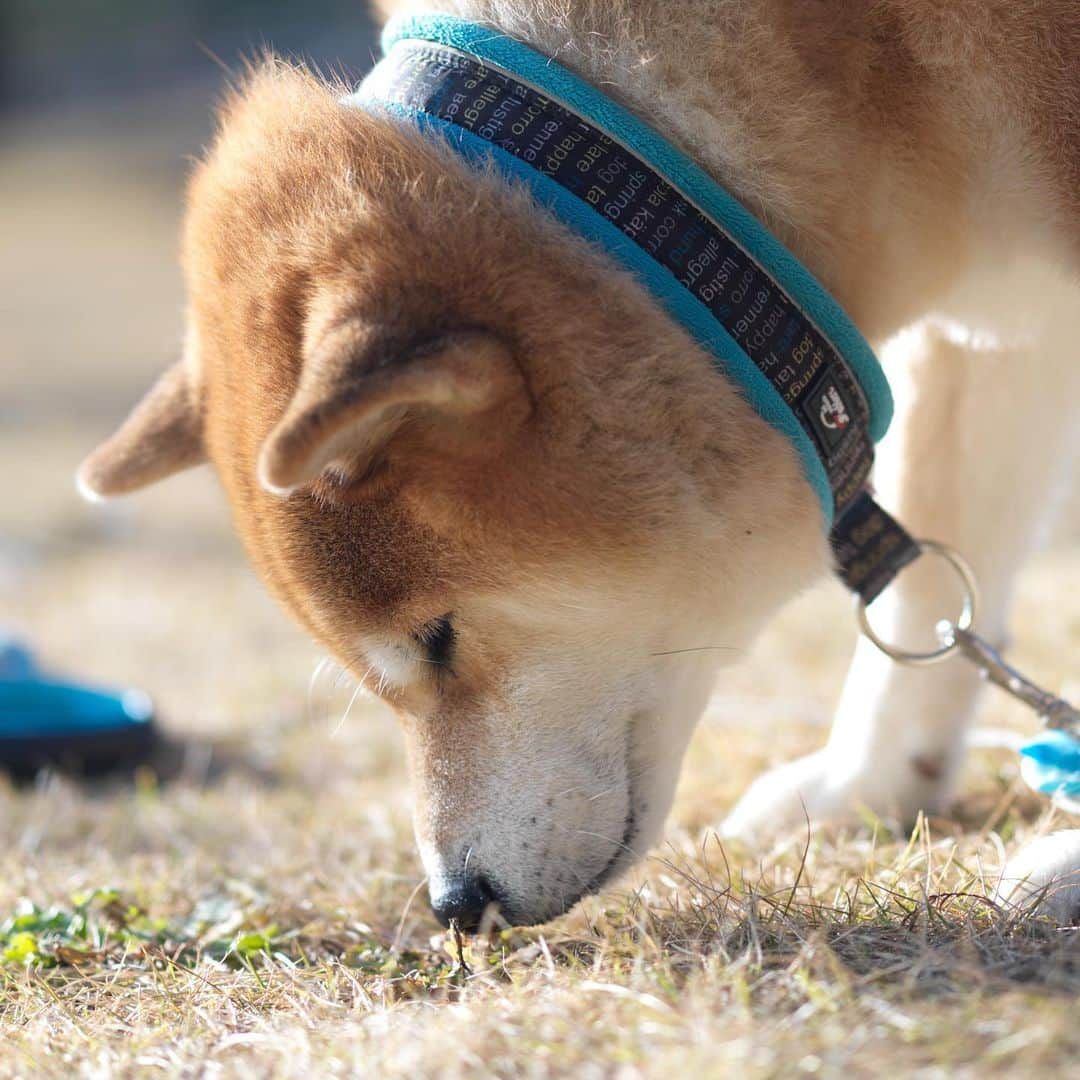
[{"x": 463, "y": 899}]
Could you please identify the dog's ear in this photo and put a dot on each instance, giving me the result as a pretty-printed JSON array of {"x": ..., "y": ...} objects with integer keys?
[
  {"x": 162, "y": 435},
  {"x": 358, "y": 388}
]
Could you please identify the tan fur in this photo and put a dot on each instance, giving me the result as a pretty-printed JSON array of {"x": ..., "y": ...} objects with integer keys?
[
  {"x": 575, "y": 483},
  {"x": 367, "y": 243}
]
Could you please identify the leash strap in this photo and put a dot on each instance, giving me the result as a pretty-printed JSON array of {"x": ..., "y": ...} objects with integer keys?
[
  {"x": 767, "y": 343},
  {"x": 870, "y": 547}
]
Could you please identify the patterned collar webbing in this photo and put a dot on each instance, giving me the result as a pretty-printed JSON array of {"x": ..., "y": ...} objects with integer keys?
[{"x": 767, "y": 322}]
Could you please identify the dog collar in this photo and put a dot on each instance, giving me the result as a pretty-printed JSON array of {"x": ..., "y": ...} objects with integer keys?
[{"x": 769, "y": 325}]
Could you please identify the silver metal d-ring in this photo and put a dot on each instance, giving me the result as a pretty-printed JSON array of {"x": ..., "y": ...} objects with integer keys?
[{"x": 967, "y": 615}]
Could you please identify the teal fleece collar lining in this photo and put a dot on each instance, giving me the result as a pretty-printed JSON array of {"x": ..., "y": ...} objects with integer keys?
[{"x": 803, "y": 289}]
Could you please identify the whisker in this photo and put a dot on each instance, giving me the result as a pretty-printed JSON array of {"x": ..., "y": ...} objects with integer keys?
[
  {"x": 568, "y": 791},
  {"x": 348, "y": 709},
  {"x": 699, "y": 648},
  {"x": 596, "y": 835},
  {"x": 404, "y": 915},
  {"x": 316, "y": 675},
  {"x": 621, "y": 844}
]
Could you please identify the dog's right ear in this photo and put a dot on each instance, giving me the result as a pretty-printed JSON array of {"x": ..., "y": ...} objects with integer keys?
[
  {"x": 163, "y": 435},
  {"x": 356, "y": 393}
]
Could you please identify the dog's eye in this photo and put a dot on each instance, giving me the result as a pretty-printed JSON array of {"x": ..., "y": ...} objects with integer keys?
[{"x": 436, "y": 638}]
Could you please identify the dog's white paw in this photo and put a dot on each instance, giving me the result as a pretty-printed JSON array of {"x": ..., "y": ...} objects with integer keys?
[
  {"x": 830, "y": 790},
  {"x": 1045, "y": 875},
  {"x": 781, "y": 798}
]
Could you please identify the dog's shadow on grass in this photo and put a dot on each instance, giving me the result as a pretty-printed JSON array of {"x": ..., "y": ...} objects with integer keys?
[
  {"x": 944, "y": 951},
  {"x": 860, "y": 935}
]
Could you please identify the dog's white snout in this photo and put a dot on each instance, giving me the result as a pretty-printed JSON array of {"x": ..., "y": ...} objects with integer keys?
[{"x": 531, "y": 848}]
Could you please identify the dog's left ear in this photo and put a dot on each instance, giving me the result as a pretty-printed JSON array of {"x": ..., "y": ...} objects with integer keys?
[{"x": 163, "y": 435}]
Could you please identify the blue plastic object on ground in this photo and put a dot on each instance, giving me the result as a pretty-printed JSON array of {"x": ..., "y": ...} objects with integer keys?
[
  {"x": 1051, "y": 764},
  {"x": 48, "y": 722}
]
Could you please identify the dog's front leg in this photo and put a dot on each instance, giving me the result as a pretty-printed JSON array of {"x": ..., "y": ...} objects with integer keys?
[{"x": 982, "y": 437}]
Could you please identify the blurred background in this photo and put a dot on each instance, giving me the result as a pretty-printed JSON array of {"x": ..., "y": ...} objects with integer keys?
[{"x": 102, "y": 108}]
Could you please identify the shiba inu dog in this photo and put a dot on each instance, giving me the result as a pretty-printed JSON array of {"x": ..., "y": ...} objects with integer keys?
[{"x": 483, "y": 465}]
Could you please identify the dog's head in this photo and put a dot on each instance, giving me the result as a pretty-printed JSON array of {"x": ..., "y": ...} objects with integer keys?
[{"x": 485, "y": 469}]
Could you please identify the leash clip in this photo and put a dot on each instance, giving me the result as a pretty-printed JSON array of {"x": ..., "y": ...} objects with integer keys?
[
  {"x": 1055, "y": 712},
  {"x": 959, "y": 639}
]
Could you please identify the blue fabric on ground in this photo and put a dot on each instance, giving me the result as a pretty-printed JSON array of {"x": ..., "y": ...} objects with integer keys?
[
  {"x": 33, "y": 706},
  {"x": 1051, "y": 764}
]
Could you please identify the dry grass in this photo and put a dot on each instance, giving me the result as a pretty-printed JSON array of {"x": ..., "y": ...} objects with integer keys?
[
  {"x": 253, "y": 937},
  {"x": 264, "y": 918}
]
